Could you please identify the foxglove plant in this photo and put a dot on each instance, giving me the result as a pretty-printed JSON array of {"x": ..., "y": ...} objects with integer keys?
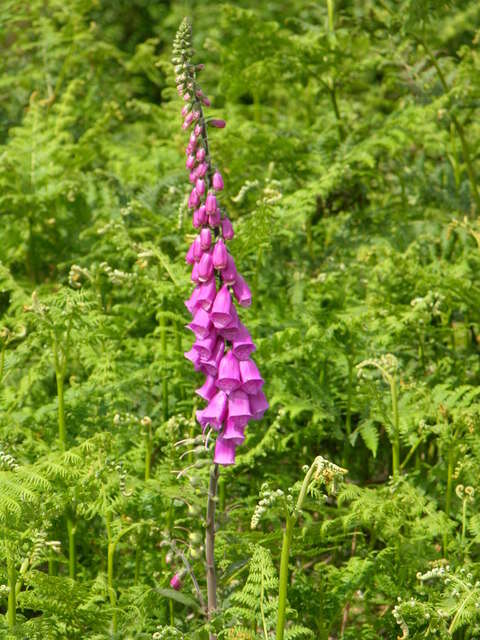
[{"x": 222, "y": 348}]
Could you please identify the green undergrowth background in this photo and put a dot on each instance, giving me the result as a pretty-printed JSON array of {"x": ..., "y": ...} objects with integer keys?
[{"x": 352, "y": 174}]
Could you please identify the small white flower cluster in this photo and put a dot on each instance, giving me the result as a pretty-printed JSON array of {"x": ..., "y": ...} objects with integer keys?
[
  {"x": 436, "y": 572},
  {"x": 267, "y": 500},
  {"x": 167, "y": 633}
]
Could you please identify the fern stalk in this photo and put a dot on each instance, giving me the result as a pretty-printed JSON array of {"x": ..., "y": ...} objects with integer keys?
[
  {"x": 291, "y": 519},
  {"x": 12, "y": 596},
  {"x": 396, "y": 428}
]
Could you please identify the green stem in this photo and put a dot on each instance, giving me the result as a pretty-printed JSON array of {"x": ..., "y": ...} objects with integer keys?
[
  {"x": 348, "y": 419},
  {"x": 448, "y": 497},
  {"x": 148, "y": 449},
  {"x": 12, "y": 596},
  {"x": 163, "y": 352},
  {"x": 396, "y": 429},
  {"x": 330, "y": 9},
  {"x": 210, "y": 545},
  {"x": 464, "y": 519},
  {"x": 283, "y": 580},
  {"x": 60, "y": 377},
  {"x": 262, "y": 609},
  {"x": 72, "y": 554},
  {"x": 287, "y": 541},
  {"x": 110, "y": 567}
]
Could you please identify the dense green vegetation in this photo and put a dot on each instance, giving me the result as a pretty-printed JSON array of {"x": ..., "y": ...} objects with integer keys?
[{"x": 352, "y": 176}]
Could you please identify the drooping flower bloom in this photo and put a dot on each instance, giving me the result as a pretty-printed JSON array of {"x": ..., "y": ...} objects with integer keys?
[
  {"x": 176, "y": 582},
  {"x": 223, "y": 347}
]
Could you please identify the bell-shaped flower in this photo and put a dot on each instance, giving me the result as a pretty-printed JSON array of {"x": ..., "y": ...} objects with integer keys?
[
  {"x": 224, "y": 452},
  {"x": 202, "y": 169},
  {"x": 210, "y": 366},
  {"x": 200, "y": 186},
  {"x": 227, "y": 229},
  {"x": 197, "y": 249},
  {"x": 222, "y": 308},
  {"x": 193, "y": 303},
  {"x": 217, "y": 181},
  {"x": 205, "y": 239},
  {"x": 202, "y": 215},
  {"x": 211, "y": 203},
  {"x": 201, "y": 324},
  {"x": 214, "y": 218},
  {"x": 206, "y": 294},
  {"x": 190, "y": 161},
  {"x": 189, "y": 259},
  {"x": 205, "y": 267},
  {"x": 194, "y": 275},
  {"x": 229, "y": 274},
  {"x": 234, "y": 431},
  {"x": 196, "y": 219},
  {"x": 252, "y": 381},
  {"x": 208, "y": 389},
  {"x": 239, "y": 407},
  {"x": 205, "y": 346},
  {"x": 194, "y": 358},
  {"x": 201, "y": 155},
  {"x": 242, "y": 344},
  {"x": 228, "y": 377},
  {"x": 216, "y": 411},
  {"x": 241, "y": 291},
  {"x": 194, "y": 199},
  {"x": 219, "y": 255},
  {"x": 218, "y": 124},
  {"x": 230, "y": 331},
  {"x": 258, "y": 405}
]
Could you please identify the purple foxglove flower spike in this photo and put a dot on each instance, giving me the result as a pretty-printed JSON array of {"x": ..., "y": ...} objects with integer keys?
[
  {"x": 219, "y": 255},
  {"x": 217, "y": 181},
  {"x": 233, "y": 385},
  {"x": 224, "y": 452},
  {"x": 227, "y": 229},
  {"x": 241, "y": 291},
  {"x": 228, "y": 378}
]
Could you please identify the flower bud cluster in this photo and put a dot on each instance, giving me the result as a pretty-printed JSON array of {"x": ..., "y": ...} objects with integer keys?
[{"x": 223, "y": 346}]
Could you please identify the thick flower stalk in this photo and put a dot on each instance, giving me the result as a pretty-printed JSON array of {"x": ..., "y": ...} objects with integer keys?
[{"x": 222, "y": 348}]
